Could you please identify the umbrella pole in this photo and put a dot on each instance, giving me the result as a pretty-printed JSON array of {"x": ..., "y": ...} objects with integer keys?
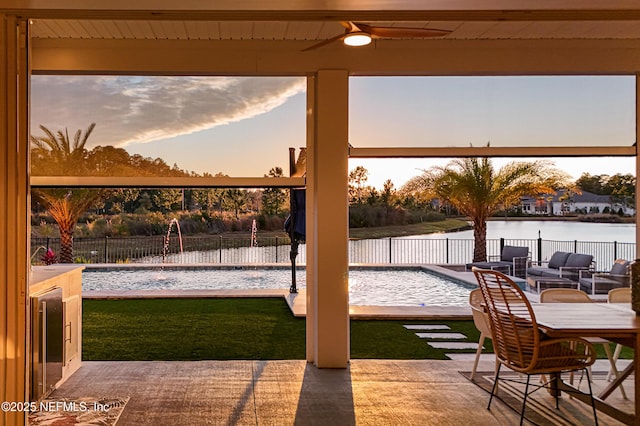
[{"x": 292, "y": 255}]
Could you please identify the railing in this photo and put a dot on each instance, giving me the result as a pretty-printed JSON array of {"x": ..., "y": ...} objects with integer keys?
[{"x": 217, "y": 249}]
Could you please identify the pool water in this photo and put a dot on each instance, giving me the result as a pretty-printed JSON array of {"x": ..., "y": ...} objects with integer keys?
[{"x": 388, "y": 287}]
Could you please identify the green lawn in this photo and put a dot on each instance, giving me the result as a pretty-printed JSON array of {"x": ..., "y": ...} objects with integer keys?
[
  {"x": 238, "y": 328},
  {"x": 404, "y": 230},
  {"x": 234, "y": 328}
]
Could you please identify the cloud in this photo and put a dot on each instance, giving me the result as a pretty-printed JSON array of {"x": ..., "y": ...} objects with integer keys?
[{"x": 144, "y": 109}]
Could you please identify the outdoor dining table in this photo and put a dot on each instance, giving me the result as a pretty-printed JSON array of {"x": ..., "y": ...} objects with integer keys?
[{"x": 615, "y": 322}]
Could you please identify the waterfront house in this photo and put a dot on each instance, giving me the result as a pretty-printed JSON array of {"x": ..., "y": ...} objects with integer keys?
[{"x": 571, "y": 203}]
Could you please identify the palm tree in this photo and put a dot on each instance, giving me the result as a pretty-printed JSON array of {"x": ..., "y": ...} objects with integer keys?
[
  {"x": 477, "y": 190},
  {"x": 56, "y": 154},
  {"x": 66, "y": 205}
]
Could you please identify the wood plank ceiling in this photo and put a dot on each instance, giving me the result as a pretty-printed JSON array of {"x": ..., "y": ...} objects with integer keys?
[{"x": 315, "y": 31}]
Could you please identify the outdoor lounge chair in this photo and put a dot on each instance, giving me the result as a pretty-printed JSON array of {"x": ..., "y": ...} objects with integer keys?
[
  {"x": 563, "y": 265},
  {"x": 603, "y": 282},
  {"x": 513, "y": 261},
  {"x": 520, "y": 345}
]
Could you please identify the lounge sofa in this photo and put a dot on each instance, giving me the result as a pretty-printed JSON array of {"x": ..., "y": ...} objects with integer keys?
[
  {"x": 512, "y": 261},
  {"x": 603, "y": 282},
  {"x": 563, "y": 265}
]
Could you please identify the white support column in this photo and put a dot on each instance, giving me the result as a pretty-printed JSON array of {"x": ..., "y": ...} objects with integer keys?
[
  {"x": 14, "y": 203},
  {"x": 327, "y": 221},
  {"x": 310, "y": 236}
]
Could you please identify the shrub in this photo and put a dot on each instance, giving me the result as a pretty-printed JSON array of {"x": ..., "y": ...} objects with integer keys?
[{"x": 433, "y": 217}]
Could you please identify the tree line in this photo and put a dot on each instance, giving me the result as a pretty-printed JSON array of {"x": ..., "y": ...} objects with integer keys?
[
  {"x": 469, "y": 187},
  {"x": 127, "y": 210}
]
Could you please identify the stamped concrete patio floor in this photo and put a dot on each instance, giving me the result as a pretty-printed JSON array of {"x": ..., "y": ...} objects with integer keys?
[{"x": 369, "y": 392}]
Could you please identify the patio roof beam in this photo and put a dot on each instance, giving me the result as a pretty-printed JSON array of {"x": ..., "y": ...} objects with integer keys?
[
  {"x": 165, "y": 182},
  {"x": 528, "y": 151},
  {"x": 381, "y": 10},
  {"x": 382, "y": 58}
]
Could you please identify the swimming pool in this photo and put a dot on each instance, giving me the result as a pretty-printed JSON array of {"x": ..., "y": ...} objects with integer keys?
[{"x": 374, "y": 287}]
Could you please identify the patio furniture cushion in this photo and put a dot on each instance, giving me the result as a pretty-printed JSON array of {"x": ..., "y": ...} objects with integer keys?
[
  {"x": 620, "y": 268},
  {"x": 558, "y": 259},
  {"x": 509, "y": 252},
  {"x": 506, "y": 263},
  {"x": 497, "y": 266},
  {"x": 577, "y": 260},
  {"x": 617, "y": 277},
  {"x": 603, "y": 284}
]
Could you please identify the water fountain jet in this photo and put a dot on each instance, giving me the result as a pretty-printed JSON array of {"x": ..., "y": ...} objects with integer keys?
[
  {"x": 254, "y": 231},
  {"x": 165, "y": 247}
]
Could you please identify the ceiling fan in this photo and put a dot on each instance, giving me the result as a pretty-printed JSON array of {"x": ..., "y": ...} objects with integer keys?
[{"x": 359, "y": 34}]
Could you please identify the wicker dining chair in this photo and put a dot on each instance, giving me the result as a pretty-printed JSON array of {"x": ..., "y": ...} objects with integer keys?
[
  {"x": 618, "y": 295},
  {"x": 481, "y": 321},
  {"x": 518, "y": 343}
]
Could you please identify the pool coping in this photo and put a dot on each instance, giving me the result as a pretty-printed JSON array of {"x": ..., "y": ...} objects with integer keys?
[{"x": 296, "y": 301}]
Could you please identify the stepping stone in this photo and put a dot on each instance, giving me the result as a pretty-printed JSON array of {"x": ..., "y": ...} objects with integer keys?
[
  {"x": 454, "y": 336},
  {"x": 427, "y": 327},
  {"x": 453, "y": 345}
]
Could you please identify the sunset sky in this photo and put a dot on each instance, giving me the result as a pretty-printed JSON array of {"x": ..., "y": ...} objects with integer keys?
[{"x": 243, "y": 126}]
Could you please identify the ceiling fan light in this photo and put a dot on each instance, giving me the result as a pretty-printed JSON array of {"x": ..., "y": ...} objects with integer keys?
[{"x": 357, "y": 38}]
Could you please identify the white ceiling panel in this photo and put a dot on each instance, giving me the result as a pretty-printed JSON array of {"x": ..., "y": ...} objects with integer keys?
[
  {"x": 42, "y": 30},
  {"x": 270, "y": 30},
  {"x": 174, "y": 30},
  {"x": 505, "y": 30},
  {"x": 472, "y": 30},
  {"x": 109, "y": 29},
  {"x": 140, "y": 29},
  {"x": 303, "y": 30}
]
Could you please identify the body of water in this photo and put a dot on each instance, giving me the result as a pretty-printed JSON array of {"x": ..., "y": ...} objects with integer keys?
[
  {"x": 549, "y": 230},
  {"x": 605, "y": 241},
  {"x": 388, "y": 287}
]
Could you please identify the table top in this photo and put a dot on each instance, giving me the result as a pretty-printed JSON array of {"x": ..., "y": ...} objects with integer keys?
[{"x": 587, "y": 319}]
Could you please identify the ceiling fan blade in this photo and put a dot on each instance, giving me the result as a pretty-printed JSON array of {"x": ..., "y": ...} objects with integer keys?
[
  {"x": 349, "y": 26},
  {"x": 400, "y": 32},
  {"x": 325, "y": 42}
]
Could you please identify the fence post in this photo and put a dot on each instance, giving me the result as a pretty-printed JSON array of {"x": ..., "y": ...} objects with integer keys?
[
  {"x": 539, "y": 250},
  {"x": 390, "y": 242},
  {"x": 276, "y": 249},
  {"x": 220, "y": 248},
  {"x": 48, "y": 243},
  {"x": 447, "y": 250},
  {"x": 575, "y": 246},
  {"x": 501, "y": 245},
  {"x": 106, "y": 249},
  {"x": 615, "y": 250}
]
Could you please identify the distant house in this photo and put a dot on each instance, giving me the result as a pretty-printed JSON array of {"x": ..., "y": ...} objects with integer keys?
[{"x": 572, "y": 203}]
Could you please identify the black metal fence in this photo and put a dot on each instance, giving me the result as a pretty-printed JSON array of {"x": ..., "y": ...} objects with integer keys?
[{"x": 226, "y": 250}]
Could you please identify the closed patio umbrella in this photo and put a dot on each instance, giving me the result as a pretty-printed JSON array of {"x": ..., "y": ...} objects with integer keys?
[{"x": 295, "y": 225}]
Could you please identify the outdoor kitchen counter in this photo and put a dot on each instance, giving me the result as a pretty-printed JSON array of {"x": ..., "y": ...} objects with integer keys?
[{"x": 69, "y": 279}]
